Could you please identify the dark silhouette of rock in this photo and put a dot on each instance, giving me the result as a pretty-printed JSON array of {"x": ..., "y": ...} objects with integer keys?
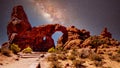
[
  {"x": 105, "y": 33},
  {"x": 38, "y": 38}
]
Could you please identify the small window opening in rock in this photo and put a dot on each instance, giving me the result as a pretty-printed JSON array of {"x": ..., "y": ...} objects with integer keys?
[{"x": 44, "y": 38}]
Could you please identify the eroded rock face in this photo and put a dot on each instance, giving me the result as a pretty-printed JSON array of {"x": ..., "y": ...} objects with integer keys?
[
  {"x": 75, "y": 38},
  {"x": 18, "y": 23},
  {"x": 38, "y": 38}
]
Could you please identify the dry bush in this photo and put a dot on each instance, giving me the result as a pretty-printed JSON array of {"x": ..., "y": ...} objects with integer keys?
[
  {"x": 6, "y": 52},
  {"x": 62, "y": 56},
  {"x": 78, "y": 63},
  {"x": 105, "y": 46},
  {"x": 115, "y": 57},
  {"x": 98, "y": 63},
  {"x": 85, "y": 53},
  {"x": 74, "y": 52},
  {"x": 55, "y": 64},
  {"x": 71, "y": 57},
  {"x": 96, "y": 57},
  {"x": 52, "y": 57}
]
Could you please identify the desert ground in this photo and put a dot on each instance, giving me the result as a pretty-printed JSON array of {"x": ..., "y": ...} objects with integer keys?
[{"x": 75, "y": 58}]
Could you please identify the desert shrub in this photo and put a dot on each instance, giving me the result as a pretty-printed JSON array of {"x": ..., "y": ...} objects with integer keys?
[
  {"x": 74, "y": 52},
  {"x": 78, "y": 63},
  {"x": 59, "y": 48},
  {"x": 62, "y": 57},
  {"x": 52, "y": 57},
  {"x": 105, "y": 46},
  {"x": 71, "y": 57},
  {"x": 55, "y": 64},
  {"x": 6, "y": 51},
  {"x": 96, "y": 57},
  {"x": 27, "y": 50},
  {"x": 98, "y": 63},
  {"x": 14, "y": 48},
  {"x": 96, "y": 42},
  {"x": 51, "y": 50},
  {"x": 84, "y": 54},
  {"x": 115, "y": 57}
]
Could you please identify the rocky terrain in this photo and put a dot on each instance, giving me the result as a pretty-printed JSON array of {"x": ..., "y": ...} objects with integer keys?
[{"x": 76, "y": 48}]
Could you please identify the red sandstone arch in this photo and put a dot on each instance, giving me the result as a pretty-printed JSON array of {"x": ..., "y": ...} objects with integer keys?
[
  {"x": 20, "y": 32},
  {"x": 34, "y": 37}
]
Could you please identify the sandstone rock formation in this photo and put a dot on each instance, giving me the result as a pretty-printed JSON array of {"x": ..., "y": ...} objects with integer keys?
[
  {"x": 105, "y": 33},
  {"x": 81, "y": 38},
  {"x": 75, "y": 38},
  {"x": 38, "y": 38},
  {"x": 18, "y": 23}
]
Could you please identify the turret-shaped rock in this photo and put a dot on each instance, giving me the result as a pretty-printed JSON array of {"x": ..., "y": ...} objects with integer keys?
[
  {"x": 18, "y": 23},
  {"x": 105, "y": 33}
]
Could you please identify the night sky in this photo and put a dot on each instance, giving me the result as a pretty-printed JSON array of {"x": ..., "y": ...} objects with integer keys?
[{"x": 92, "y": 15}]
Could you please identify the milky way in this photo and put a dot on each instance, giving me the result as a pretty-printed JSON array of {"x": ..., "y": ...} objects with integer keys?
[{"x": 49, "y": 11}]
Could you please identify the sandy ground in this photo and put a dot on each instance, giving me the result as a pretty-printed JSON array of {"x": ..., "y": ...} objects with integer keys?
[
  {"x": 22, "y": 63},
  {"x": 26, "y": 61},
  {"x": 32, "y": 61}
]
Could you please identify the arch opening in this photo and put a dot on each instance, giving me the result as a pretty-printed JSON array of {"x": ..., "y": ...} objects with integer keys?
[
  {"x": 44, "y": 38},
  {"x": 56, "y": 36}
]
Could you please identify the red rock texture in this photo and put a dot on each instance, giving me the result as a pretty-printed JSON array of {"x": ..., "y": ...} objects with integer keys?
[
  {"x": 38, "y": 38},
  {"x": 75, "y": 38},
  {"x": 18, "y": 23}
]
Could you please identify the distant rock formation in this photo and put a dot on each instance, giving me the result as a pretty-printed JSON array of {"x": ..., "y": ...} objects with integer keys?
[
  {"x": 38, "y": 38},
  {"x": 105, "y": 33},
  {"x": 81, "y": 38}
]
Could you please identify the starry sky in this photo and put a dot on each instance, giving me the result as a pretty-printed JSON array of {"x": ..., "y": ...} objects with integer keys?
[{"x": 92, "y": 15}]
